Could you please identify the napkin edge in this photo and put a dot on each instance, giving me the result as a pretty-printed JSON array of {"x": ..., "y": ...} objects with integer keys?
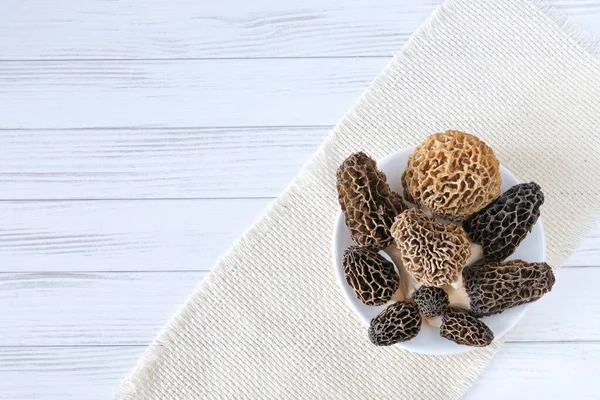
[{"x": 586, "y": 40}]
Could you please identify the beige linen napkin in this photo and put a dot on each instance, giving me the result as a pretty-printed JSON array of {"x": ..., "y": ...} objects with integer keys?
[{"x": 270, "y": 322}]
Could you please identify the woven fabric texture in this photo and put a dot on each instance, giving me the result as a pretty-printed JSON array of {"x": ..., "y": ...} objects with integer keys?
[{"x": 270, "y": 321}]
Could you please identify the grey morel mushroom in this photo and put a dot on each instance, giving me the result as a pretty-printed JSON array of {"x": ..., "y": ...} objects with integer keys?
[
  {"x": 462, "y": 327},
  {"x": 399, "y": 322},
  {"x": 493, "y": 288},
  {"x": 372, "y": 277},
  {"x": 431, "y": 301},
  {"x": 503, "y": 224},
  {"x": 368, "y": 203}
]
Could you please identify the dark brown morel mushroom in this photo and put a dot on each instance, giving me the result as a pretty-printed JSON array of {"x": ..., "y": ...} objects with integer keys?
[
  {"x": 372, "y": 277},
  {"x": 432, "y": 252},
  {"x": 493, "y": 288},
  {"x": 368, "y": 203},
  {"x": 398, "y": 323},
  {"x": 453, "y": 174},
  {"x": 431, "y": 301},
  {"x": 503, "y": 224},
  {"x": 461, "y": 327}
]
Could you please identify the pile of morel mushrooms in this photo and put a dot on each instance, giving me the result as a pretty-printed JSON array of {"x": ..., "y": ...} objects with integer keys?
[{"x": 448, "y": 237}]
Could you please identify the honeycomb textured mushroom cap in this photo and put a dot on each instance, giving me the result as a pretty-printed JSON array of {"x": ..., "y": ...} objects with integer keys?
[
  {"x": 493, "y": 288},
  {"x": 432, "y": 252},
  {"x": 462, "y": 327},
  {"x": 431, "y": 301},
  {"x": 368, "y": 203},
  {"x": 453, "y": 174},
  {"x": 372, "y": 277},
  {"x": 399, "y": 322},
  {"x": 502, "y": 225}
]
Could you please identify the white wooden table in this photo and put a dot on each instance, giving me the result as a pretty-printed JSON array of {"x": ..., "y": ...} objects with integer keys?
[{"x": 138, "y": 138}]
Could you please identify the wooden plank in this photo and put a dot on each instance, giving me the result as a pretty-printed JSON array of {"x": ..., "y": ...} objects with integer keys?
[
  {"x": 192, "y": 93},
  {"x": 588, "y": 253},
  {"x": 140, "y": 235},
  {"x": 64, "y": 373},
  {"x": 520, "y": 371},
  {"x": 571, "y": 312},
  {"x": 151, "y": 235},
  {"x": 33, "y": 30},
  {"x": 98, "y": 308},
  {"x": 152, "y": 163},
  {"x": 200, "y": 29},
  {"x": 90, "y": 309},
  {"x": 540, "y": 371}
]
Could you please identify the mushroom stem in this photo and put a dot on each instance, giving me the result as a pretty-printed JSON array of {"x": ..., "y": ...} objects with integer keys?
[
  {"x": 399, "y": 294},
  {"x": 436, "y": 322},
  {"x": 408, "y": 284},
  {"x": 458, "y": 296},
  {"x": 476, "y": 254},
  {"x": 457, "y": 284},
  {"x": 475, "y": 257}
]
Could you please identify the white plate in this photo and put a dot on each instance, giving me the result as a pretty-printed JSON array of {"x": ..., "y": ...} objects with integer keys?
[{"x": 429, "y": 341}]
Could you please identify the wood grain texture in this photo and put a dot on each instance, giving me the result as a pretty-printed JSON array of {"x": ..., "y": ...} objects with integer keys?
[
  {"x": 151, "y": 235},
  {"x": 520, "y": 371},
  {"x": 200, "y": 29},
  {"x": 140, "y": 235},
  {"x": 192, "y": 93},
  {"x": 152, "y": 163},
  {"x": 64, "y": 373},
  {"x": 62, "y": 308},
  {"x": 34, "y": 30},
  {"x": 50, "y": 309},
  {"x": 540, "y": 371}
]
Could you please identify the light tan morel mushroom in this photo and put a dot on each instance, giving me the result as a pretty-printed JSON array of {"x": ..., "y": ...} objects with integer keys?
[
  {"x": 399, "y": 322},
  {"x": 493, "y": 288},
  {"x": 368, "y": 203},
  {"x": 432, "y": 252},
  {"x": 453, "y": 174},
  {"x": 370, "y": 275},
  {"x": 461, "y": 327}
]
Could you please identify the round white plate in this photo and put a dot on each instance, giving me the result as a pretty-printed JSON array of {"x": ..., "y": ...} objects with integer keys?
[{"x": 429, "y": 341}]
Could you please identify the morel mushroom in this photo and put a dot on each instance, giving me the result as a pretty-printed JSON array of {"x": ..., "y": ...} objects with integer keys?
[
  {"x": 461, "y": 327},
  {"x": 453, "y": 174},
  {"x": 399, "y": 322},
  {"x": 370, "y": 275},
  {"x": 432, "y": 252},
  {"x": 368, "y": 203},
  {"x": 431, "y": 301},
  {"x": 493, "y": 288},
  {"x": 502, "y": 225}
]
